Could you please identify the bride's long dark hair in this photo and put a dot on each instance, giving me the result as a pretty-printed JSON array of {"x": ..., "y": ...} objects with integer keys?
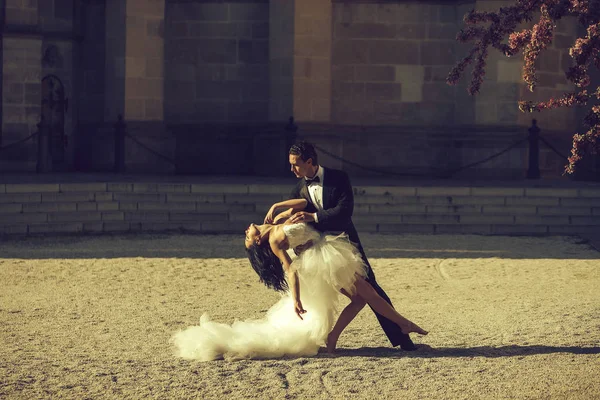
[{"x": 267, "y": 266}]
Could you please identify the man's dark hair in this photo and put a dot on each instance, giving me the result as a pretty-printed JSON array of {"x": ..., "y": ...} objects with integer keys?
[
  {"x": 267, "y": 266},
  {"x": 305, "y": 151}
]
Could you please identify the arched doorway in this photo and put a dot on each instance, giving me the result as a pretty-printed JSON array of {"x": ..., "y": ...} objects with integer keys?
[{"x": 54, "y": 107}]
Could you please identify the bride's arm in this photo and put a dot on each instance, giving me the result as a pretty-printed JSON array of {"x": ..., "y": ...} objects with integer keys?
[
  {"x": 293, "y": 204},
  {"x": 277, "y": 245}
]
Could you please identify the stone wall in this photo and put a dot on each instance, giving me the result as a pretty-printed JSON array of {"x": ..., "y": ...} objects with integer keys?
[
  {"x": 389, "y": 62},
  {"x": 21, "y": 78},
  {"x": 217, "y": 59}
]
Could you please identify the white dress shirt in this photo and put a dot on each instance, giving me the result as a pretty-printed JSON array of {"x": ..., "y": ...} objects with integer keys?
[{"x": 315, "y": 190}]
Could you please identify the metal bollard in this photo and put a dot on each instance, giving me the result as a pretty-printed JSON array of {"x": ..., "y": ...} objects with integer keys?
[
  {"x": 533, "y": 172},
  {"x": 120, "y": 127}
]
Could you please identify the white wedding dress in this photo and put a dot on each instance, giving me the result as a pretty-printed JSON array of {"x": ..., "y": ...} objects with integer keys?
[{"x": 323, "y": 269}]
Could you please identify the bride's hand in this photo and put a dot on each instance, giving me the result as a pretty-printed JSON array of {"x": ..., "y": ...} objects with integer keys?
[
  {"x": 299, "y": 309},
  {"x": 269, "y": 218}
]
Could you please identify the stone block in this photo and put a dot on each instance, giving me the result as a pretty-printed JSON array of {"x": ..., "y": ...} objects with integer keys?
[
  {"x": 595, "y": 220},
  {"x": 351, "y": 52},
  {"x": 82, "y": 187},
  {"x": 435, "y": 92},
  {"x": 140, "y": 216},
  {"x": 407, "y": 228},
  {"x": 375, "y": 73},
  {"x": 464, "y": 229},
  {"x": 219, "y": 51},
  {"x": 398, "y": 208},
  {"x": 87, "y": 206},
  {"x": 360, "y": 191},
  {"x": 253, "y": 198},
  {"x": 564, "y": 211},
  {"x": 225, "y": 189},
  {"x": 492, "y": 191},
  {"x": 573, "y": 229},
  {"x": 431, "y": 219},
  {"x": 15, "y": 93},
  {"x": 441, "y": 31},
  {"x": 74, "y": 197},
  {"x": 103, "y": 196},
  {"x": 383, "y": 91},
  {"x": 169, "y": 206},
  {"x": 116, "y": 226},
  {"x": 13, "y": 229},
  {"x": 550, "y": 192},
  {"x": 348, "y": 91},
  {"x": 199, "y": 198},
  {"x": 411, "y": 31},
  {"x": 49, "y": 207},
  {"x": 23, "y": 218},
  {"x": 220, "y": 30},
  {"x": 260, "y": 30},
  {"x": 93, "y": 227},
  {"x": 486, "y": 219},
  {"x": 533, "y": 201},
  {"x": 463, "y": 209},
  {"x": 77, "y": 216},
  {"x": 128, "y": 206},
  {"x": 107, "y": 206},
  {"x": 216, "y": 208},
  {"x": 443, "y": 191},
  {"x": 120, "y": 187},
  {"x": 70, "y": 227},
  {"x": 113, "y": 216},
  {"x": 245, "y": 11},
  {"x": 10, "y": 208},
  {"x": 393, "y": 52},
  {"x": 519, "y": 229},
  {"x": 541, "y": 220},
  {"x": 155, "y": 28},
  {"x": 589, "y": 193},
  {"x": 364, "y": 31},
  {"x": 437, "y": 53},
  {"x": 512, "y": 210},
  {"x": 32, "y": 188},
  {"x": 140, "y": 197},
  {"x": 257, "y": 51},
  {"x": 344, "y": 73},
  {"x": 510, "y": 71}
]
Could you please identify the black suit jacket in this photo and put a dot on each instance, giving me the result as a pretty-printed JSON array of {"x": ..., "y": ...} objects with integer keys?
[{"x": 338, "y": 204}]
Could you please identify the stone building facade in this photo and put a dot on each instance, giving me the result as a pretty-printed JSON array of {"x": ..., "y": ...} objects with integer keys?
[{"x": 210, "y": 85}]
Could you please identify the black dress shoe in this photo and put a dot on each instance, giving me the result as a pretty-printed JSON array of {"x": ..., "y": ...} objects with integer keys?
[{"x": 408, "y": 346}]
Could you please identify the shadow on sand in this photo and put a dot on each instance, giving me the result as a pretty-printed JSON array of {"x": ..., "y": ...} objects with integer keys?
[{"x": 425, "y": 351}]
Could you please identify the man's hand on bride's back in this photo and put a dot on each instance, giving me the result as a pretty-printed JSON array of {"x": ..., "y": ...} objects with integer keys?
[{"x": 299, "y": 309}]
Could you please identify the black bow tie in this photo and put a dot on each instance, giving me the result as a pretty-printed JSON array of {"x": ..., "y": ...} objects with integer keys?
[{"x": 314, "y": 180}]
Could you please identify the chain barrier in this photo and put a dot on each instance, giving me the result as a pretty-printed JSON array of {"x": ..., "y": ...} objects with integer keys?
[
  {"x": 18, "y": 142},
  {"x": 551, "y": 147},
  {"x": 405, "y": 174},
  {"x": 156, "y": 153}
]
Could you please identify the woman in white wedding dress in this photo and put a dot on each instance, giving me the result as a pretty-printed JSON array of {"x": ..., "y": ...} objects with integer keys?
[{"x": 299, "y": 323}]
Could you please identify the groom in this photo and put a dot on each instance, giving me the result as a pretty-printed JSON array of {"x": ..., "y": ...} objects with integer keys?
[{"x": 330, "y": 207}]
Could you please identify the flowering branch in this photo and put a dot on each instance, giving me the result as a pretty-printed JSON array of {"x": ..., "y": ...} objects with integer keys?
[{"x": 503, "y": 24}]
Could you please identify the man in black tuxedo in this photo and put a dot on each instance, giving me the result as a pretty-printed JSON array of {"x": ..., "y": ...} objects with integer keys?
[{"x": 330, "y": 206}]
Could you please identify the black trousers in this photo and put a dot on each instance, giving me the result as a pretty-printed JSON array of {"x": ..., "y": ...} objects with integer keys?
[{"x": 392, "y": 331}]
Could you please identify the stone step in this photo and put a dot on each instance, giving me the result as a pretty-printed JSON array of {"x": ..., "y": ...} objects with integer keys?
[{"x": 226, "y": 208}]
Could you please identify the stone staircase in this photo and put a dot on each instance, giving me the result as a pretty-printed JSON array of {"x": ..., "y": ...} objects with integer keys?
[{"x": 35, "y": 208}]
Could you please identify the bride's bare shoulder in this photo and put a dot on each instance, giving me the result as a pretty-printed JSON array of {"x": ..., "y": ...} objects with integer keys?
[{"x": 278, "y": 237}]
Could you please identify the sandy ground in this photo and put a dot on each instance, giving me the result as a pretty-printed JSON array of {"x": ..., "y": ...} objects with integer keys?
[{"x": 91, "y": 317}]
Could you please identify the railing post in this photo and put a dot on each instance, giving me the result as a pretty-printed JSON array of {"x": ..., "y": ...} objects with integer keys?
[
  {"x": 291, "y": 132},
  {"x": 44, "y": 159},
  {"x": 533, "y": 172},
  {"x": 120, "y": 127}
]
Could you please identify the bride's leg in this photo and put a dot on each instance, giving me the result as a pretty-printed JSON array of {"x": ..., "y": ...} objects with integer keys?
[
  {"x": 366, "y": 291},
  {"x": 357, "y": 303}
]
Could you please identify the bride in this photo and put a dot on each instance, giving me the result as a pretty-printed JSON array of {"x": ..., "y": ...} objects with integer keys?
[{"x": 299, "y": 323}]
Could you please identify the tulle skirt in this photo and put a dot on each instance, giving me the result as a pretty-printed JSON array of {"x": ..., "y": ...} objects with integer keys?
[{"x": 323, "y": 269}]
